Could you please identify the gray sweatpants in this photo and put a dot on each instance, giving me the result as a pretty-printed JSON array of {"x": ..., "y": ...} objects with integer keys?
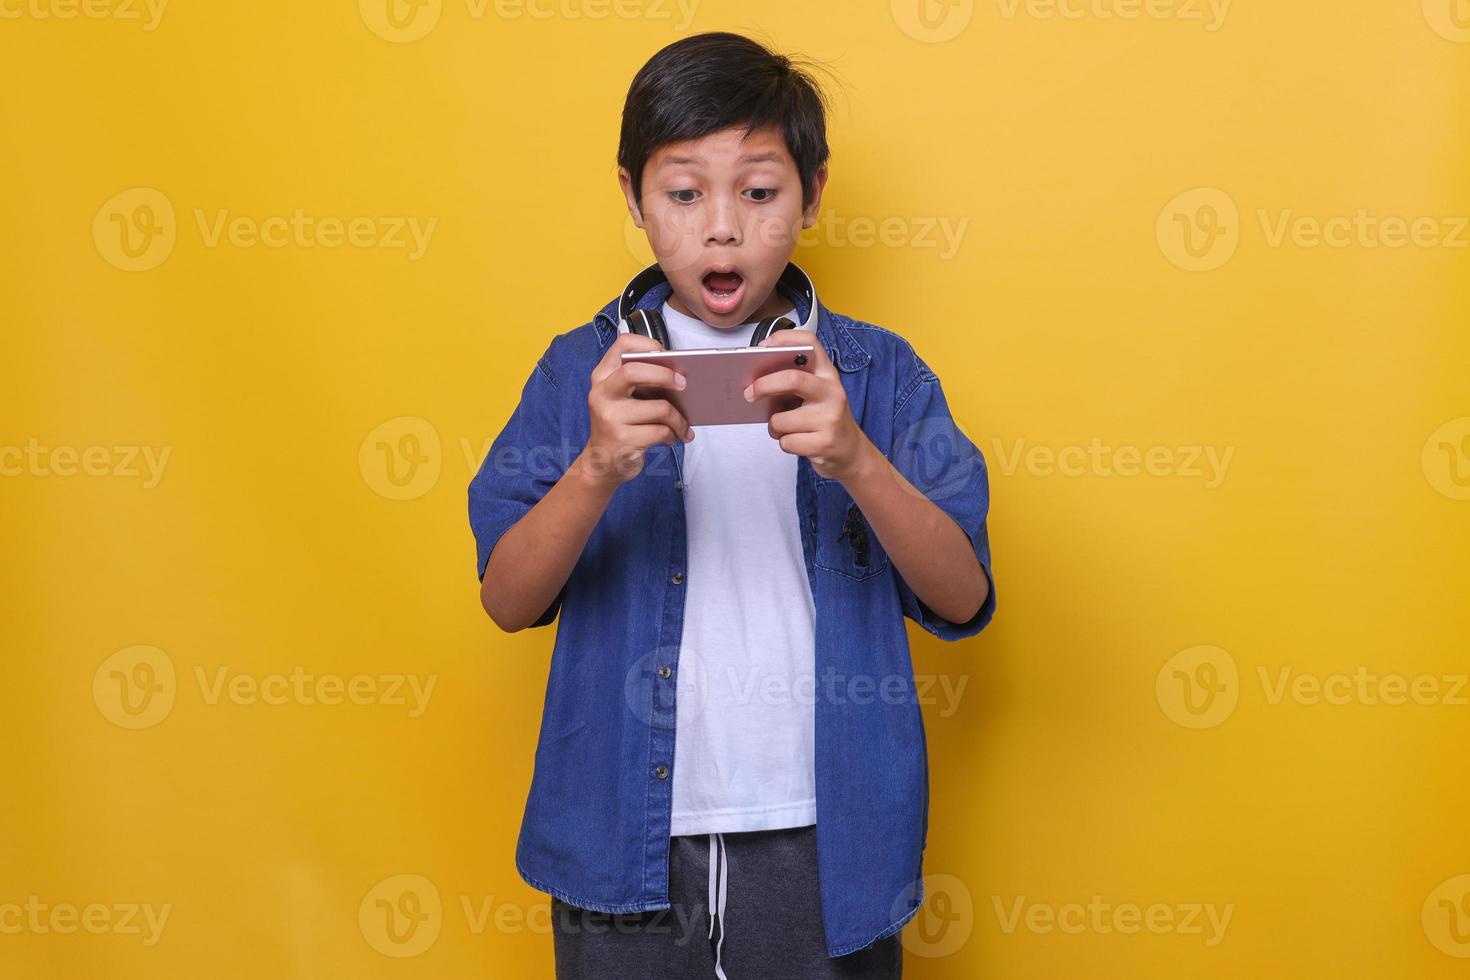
[{"x": 758, "y": 897}]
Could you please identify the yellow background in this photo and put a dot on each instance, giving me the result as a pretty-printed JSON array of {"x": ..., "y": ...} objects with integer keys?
[{"x": 1073, "y": 764}]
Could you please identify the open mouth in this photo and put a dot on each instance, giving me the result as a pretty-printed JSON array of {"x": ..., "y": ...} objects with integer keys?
[{"x": 723, "y": 290}]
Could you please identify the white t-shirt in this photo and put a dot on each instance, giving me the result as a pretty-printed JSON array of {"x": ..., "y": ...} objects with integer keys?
[{"x": 746, "y": 724}]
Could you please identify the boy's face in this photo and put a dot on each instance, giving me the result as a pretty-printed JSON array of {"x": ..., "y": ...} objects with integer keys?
[{"x": 723, "y": 216}]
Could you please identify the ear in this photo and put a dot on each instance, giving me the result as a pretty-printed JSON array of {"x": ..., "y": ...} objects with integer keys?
[
  {"x": 625, "y": 180},
  {"x": 809, "y": 213}
]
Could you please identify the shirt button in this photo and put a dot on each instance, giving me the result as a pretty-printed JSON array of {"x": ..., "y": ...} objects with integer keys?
[
  {"x": 677, "y": 578},
  {"x": 664, "y": 671},
  {"x": 678, "y": 484},
  {"x": 662, "y": 772}
]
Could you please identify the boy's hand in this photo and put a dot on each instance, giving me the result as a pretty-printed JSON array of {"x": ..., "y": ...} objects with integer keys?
[
  {"x": 821, "y": 427},
  {"x": 623, "y": 427}
]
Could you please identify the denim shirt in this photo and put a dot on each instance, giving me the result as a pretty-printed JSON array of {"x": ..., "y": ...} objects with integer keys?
[{"x": 595, "y": 831}]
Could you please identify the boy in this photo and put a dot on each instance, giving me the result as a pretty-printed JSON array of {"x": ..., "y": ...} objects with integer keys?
[{"x": 744, "y": 589}]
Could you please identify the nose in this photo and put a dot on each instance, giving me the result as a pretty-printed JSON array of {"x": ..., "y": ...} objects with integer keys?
[{"x": 722, "y": 219}]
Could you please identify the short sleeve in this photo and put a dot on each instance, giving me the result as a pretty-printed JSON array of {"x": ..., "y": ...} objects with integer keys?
[
  {"x": 933, "y": 454},
  {"x": 526, "y": 460}
]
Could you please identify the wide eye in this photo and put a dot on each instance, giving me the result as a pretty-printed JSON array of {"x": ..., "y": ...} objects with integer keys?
[
  {"x": 682, "y": 200},
  {"x": 766, "y": 192}
]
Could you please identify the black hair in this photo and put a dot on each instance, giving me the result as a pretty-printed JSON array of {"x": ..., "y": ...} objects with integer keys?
[{"x": 708, "y": 82}]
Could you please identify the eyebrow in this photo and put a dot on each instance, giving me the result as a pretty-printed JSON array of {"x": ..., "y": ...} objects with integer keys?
[{"x": 770, "y": 156}]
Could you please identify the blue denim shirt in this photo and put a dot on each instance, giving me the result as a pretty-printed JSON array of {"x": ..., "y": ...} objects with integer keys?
[{"x": 596, "y": 827}]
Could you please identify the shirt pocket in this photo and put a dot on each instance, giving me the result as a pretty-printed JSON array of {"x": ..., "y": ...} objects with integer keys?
[{"x": 845, "y": 543}]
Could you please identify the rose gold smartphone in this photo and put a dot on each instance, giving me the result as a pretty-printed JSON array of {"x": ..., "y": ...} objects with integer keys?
[{"x": 717, "y": 376}]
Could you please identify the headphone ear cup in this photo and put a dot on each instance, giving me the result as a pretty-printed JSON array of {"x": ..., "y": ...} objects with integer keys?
[
  {"x": 660, "y": 329},
  {"x": 769, "y": 326},
  {"x": 649, "y": 323}
]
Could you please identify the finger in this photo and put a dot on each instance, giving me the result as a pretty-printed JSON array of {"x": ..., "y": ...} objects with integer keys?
[
  {"x": 800, "y": 443},
  {"x": 635, "y": 374},
  {"x": 651, "y": 434},
  {"x": 614, "y": 356},
  {"x": 822, "y": 365},
  {"x": 632, "y": 341},
  {"x": 803, "y": 418},
  {"x": 788, "y": 382},
  {"x": 642, "y": 411}
]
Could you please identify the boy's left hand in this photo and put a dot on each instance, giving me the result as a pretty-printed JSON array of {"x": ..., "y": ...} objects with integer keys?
[{"x": 821, "y": 428}]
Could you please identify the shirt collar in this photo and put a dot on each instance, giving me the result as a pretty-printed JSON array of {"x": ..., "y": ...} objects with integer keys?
[{"x": 650, "y": 288}]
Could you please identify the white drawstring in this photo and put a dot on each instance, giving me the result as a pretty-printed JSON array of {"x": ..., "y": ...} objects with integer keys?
[{"x": 717, "y": 879}]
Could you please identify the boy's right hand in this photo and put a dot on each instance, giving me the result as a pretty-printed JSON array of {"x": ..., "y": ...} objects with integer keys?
[{"x": 623, "y": 427}]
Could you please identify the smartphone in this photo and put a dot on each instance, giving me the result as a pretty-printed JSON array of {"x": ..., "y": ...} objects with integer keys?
[{"x": 716, "y": 378}]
